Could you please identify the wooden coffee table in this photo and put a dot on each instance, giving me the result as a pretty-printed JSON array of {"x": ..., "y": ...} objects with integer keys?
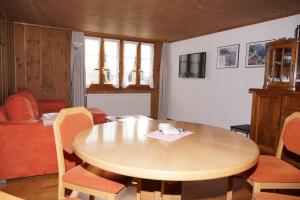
[{"x": 122, "y": 147}]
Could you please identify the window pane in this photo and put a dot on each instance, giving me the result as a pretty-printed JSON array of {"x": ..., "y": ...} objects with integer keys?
[
  {"x": 146, "y": 73},
  {"x": 129, "y": 75},
  {"x": 92, "y": 52},
  {"x": 111, "y": 62}
]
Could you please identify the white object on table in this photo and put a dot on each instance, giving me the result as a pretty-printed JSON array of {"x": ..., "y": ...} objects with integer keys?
[
  {"x": 48, "y": 118},
  {"x": 168, "y": 129}
]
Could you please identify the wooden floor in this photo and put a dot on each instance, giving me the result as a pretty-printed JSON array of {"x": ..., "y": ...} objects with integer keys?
[{"x": 45, "y": 188}]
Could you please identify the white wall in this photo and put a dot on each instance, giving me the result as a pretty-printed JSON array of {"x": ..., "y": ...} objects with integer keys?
[
  {"x": 118, "y": 104},
  {"x": 222, "y": 98}
]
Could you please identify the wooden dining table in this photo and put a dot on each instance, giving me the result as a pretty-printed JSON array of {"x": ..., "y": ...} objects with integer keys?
[{"x": 123, "y": 147}]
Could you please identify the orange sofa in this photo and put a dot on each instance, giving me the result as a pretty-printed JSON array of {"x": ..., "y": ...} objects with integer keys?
[{"x": 27, "y": 146}]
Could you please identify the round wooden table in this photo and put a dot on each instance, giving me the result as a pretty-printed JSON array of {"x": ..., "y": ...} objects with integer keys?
[{"x": 123, "y": 147}]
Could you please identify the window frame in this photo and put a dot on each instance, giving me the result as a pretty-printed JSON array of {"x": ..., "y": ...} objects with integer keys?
[{"x": 102, "y": 87}]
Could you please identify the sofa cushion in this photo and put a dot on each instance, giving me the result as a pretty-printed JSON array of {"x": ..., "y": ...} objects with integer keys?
[
  {"x": 18, "y": 108},
  {"x": 3, "y": 117},
  {"x": 28, "y": 95},
  {"x": 99, "y": 116}
]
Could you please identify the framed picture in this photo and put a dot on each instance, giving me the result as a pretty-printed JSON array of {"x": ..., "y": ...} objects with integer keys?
[
  {"x": 228, "y": 56},
  {"x": 1, "y": 28},
  {"x": 256, "y": 54}
]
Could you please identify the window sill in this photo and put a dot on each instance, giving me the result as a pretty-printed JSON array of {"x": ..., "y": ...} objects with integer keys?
[{"x": 96, "y": 89}]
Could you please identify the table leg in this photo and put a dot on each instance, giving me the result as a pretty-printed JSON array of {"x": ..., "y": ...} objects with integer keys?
[
  {"x": 158, "y": 190},
  {"x": 171, "y": 190},
  {"x": 148, "y": 190},
  {"x": 229, "y": 188}
]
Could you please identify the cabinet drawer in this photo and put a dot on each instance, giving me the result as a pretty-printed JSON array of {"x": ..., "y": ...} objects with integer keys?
[{"x": 290, "y": 102}]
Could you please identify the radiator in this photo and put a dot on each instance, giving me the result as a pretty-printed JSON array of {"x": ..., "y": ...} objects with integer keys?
[{"x": 121, "y": 104}]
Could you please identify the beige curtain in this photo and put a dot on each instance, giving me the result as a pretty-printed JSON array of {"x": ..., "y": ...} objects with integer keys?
[
  {"x": 163, "y": 87},
  {"x": 77, "y": 69}
]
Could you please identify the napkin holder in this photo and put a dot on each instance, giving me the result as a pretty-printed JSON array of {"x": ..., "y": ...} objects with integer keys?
[{"x": 168, "y": 129}]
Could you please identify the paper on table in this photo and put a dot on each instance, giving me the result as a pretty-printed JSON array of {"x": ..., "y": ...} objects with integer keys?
[
  {"x": 169, "y": 138},
  {"x": 48, "y": 118}
]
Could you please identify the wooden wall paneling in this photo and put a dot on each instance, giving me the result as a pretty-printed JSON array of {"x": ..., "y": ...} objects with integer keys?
[
  {"x": 62, "y": 71},
  {"x": 42, "y": 61},
  {"x": 47, "y": 48},
  {"x": 20, "y": 66},
  {"x": 12, "y": 60},
  {"x": 33, "y": 60},
  {"x": 11, "y": 71},
  {"x": 6, "y": 59},
  {"x": 2, "y": 96}
]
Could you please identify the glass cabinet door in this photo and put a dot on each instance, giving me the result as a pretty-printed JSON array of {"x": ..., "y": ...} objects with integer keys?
[
  {"x": 287, "y": 65},
  {"x": 270, "y": 65},
  {"x": 282, "y": 65},
  {"x": 278, "y": 65}
]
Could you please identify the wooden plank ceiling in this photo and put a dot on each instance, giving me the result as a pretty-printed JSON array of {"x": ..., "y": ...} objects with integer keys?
[{"x": 161, "y": 20}]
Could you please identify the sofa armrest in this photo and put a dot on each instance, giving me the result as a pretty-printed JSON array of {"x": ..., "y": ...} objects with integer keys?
[
  {"x": 27, "y": 149},
  {"x": 46, "y": 106}
]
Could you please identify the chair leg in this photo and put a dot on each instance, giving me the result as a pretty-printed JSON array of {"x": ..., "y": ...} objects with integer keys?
[
  {"x": 229, "y": 188},
  {"x": 111, "y": 197},
  {"x": 256, "y": 188},
  {"x": 61, "y": 191},
  {"x": 92, "y": 197}
]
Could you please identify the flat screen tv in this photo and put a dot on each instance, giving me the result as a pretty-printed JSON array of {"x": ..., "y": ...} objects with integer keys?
[{"x": 192, "y": 65}]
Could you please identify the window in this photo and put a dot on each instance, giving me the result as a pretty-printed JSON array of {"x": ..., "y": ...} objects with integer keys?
[
  {"x": 92, "y": 55},
  {"x": 146, "y": 71},
  {"x": 111, "y": 62},
  {"x": 127, "y": 63}
]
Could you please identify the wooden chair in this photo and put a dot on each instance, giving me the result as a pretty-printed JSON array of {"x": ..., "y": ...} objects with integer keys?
[
  {"x": 273, "y": 196},
  {"x": 68, "y": 123},
  {"x": 271, "y": 171},
  {"x": 5, "y": 196}
]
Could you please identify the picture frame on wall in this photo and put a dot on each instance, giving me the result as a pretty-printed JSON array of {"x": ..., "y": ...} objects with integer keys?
[
  {"x": 256, "y": 54},
  {"x": 228, "y": 56}
]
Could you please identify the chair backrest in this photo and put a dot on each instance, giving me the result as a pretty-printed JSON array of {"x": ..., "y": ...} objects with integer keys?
[
  {"x": 5, "y": 196},
  {"x": 68, "y": 123},
  {"x": 290, "y": 135}
]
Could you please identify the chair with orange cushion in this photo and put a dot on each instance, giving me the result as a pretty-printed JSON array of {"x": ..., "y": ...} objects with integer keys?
[
  {"x": 274, "y": 173},
  {"x": 6, "y": 196},
  {"x": 273, "y": 196},
  {"x": 68, "y": 123}
]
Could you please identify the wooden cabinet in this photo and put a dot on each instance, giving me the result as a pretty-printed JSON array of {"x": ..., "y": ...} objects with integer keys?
[
  {"x": 282, "y": 65},
  {"x": 269, "y": 110}
]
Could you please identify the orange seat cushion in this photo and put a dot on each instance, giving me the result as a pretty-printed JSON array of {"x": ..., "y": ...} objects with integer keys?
[
  {"x": 82, "y": 177},
  {"x": 29, "y": 96},
  {"x": 18, "y": 108},
  {"x": 274, "y": 196},
  {"x": 273, "y": 170},
  {"x": 3, "y": 117}
]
